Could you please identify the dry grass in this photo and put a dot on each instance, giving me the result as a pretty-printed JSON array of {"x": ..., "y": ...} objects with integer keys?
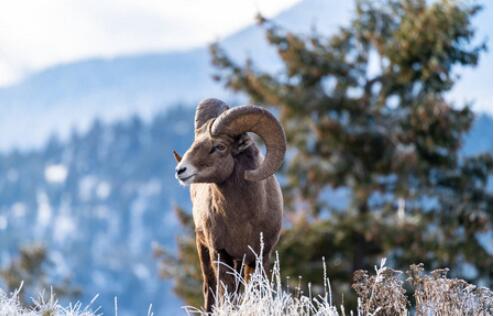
[
  {"x": 382, "y": 293},
  {"x": 264, "y": 295},
  {"x": 11, "y": 306},
  {"x": 435, "y": 294}
]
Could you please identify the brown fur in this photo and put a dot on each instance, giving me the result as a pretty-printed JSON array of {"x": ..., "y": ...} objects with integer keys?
[{"x": 230, "y": 213}]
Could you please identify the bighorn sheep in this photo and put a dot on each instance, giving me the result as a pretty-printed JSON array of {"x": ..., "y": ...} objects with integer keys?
[{"x": 234, "y": 194}]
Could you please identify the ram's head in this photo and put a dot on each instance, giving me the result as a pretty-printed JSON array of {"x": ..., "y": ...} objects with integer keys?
[{"x": 221, "y": 135}]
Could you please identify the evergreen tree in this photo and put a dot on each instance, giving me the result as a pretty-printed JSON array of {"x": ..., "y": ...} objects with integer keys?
[
  {"x": 28, "y": 275},
  {"x": 365, "y": 113}
]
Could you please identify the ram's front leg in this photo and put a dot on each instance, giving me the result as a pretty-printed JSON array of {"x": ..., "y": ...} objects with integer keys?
[
  {"x": 224, "y": 266},
  {"x": 208, "y": 274}
]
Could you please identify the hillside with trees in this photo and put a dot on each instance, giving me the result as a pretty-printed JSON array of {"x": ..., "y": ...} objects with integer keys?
[{"x": 367, "y": 120}]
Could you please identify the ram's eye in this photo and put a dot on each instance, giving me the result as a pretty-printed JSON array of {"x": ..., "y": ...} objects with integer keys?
[{"x": 220, "y": 147}]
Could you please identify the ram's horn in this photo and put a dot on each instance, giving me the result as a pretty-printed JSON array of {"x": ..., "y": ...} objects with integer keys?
[
  {"x": 208, "y": 109},
  {"x": 257, "y": 120}
]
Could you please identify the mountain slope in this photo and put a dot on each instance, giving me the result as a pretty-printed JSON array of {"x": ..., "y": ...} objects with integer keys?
[
  {"x": 71, "y": 95},
  {"x": 74, "y": 94}
]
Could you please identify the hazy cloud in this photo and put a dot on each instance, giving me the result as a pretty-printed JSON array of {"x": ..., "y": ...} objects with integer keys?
[{"x": 36, "y": 34}]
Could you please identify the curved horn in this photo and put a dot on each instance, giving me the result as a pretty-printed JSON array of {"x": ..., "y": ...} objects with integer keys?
[
  {"x": 208, "y": 109},
  {"x": 255, "y": 119}
]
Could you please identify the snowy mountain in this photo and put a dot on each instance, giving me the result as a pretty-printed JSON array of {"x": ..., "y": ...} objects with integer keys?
[
  {"x": 71, "y": 95},
  {"x": 68, "y": 95}
]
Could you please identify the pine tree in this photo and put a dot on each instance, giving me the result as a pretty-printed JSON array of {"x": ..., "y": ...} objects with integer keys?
[
  {"x": 365, "y": 114},
  {"x": 28, "y": 275}
]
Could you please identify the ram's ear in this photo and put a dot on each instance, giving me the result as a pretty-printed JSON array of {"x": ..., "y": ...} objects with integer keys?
[
  {"x": 242, "y": 143},
  {"x": 177, "y": 156}
]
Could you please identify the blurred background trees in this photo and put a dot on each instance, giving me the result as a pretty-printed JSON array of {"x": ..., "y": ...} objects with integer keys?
[
  {"x": 367, "y": 121},
  {"x": 28, "y": 275}
]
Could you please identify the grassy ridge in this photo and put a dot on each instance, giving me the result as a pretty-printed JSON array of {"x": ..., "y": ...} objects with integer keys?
[{"x": 380, "y": 293}]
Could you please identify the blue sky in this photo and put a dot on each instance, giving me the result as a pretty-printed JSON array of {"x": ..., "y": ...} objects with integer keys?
[{"x": 476, "y": 84}]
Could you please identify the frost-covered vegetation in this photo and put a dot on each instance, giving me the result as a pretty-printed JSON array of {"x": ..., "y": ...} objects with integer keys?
[
  {"x": 380, "y": 293},
  {"x": 10, "y": 305}
]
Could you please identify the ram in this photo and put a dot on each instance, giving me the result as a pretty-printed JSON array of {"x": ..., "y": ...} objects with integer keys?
[{"x": 235, "y": 196}]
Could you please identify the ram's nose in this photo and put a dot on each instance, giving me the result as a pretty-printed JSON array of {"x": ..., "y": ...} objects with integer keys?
[{"x": 180, "y": 170}]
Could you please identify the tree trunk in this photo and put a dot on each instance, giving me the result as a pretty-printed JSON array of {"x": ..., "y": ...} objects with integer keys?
[{"x": 359, "y": 250}]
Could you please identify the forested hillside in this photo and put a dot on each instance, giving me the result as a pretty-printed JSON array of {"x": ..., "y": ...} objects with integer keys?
[
  {"x": 100, "y": 200},
  {"x": 109, "y": 194}
]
